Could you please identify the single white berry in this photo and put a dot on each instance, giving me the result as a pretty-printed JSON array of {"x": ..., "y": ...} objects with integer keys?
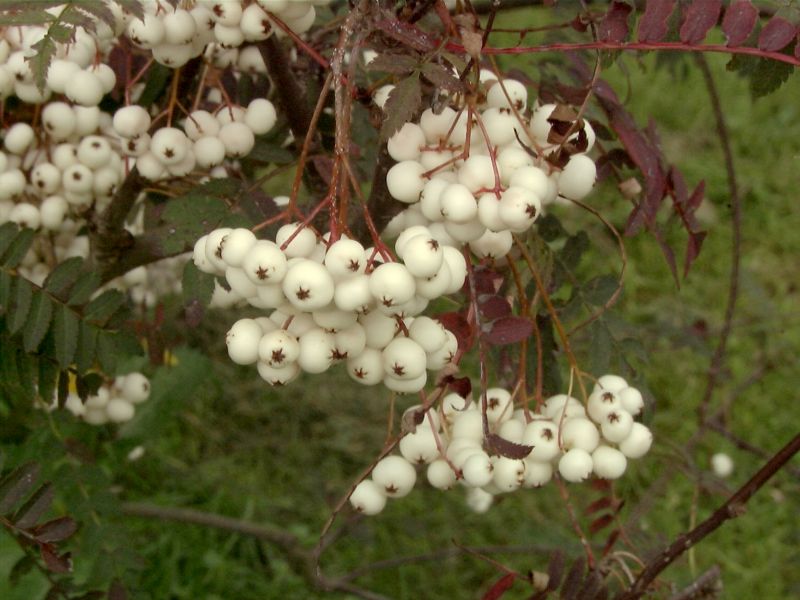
[
  {"x": 391, "y": 285},
  {"x": 506, "y": 94},
  {"x": 308, "y": 285},
  {"x": 333, "y": 319},
  {"x": 85, "y": 88},
  {"x": 135, "y": 387},
  {"x": 303, "y": 240},
  {"x": 443, "y": 356},
  {"x": 575, "y": 465},
  {"x": 380, "y": 329},
  {"x": 278, "y": 376},
  {"x": 367, "y": 367},
  {"x": 437, "y": 125},
  {"x": 260, "y": 116},
  {"x": 508, "y": 473},
  {"x": 236, "y": 246},
  {"x": 537, "y": 473},
  {"x": 609, "y": 463},
  {"x": 441, "y": 475},
  {"x": 602, "y": 402},
  {"x": 512, "y": 430},
  {"x": 519, "y": 208},
  {"x": 350, "y": 341},
  {"x": 423, "y": 256},
  {"x": 543, "y": 436},
  {"x": 264, "y": 263},
  {"x": 406, "y": 142},
  {"x": 119, "y": 410},
  {"x": 352, "y": 294},
  {"x": 493, "y": 244},
  {"x": 499, "y": 405},
  {"x": 405, "y": 182},
  {"x": 580, "y": 433},
  {"x": 561, "y": 406},
  {"x": 428, "y": 333},
  {"x": 243, "y": 341},
  {"x": 209, "y": 151},
  {"x": 638, "y": 443},
  {"x": 368, "y": 498},
  {"x": 317, "y": 348},
  {"x": 345, "y": 258},
  {"x": 632, "y": 400},
  {"x": 170, "y": 145},
  {"x": 722, "y": 465},
  {"x": 94, "y": 151},
  {"x": 403, "y": 358},
  {"x": 578, "y": 177},
  {"x": 395, "y": 476},
  {"x": 467, "y": 424},
  {"x": 616, "y": 426},
  {"x": 214, "y": 248},
  {"x": 52, "y": 212},
  {"x": 419, "y": 447},
  {"x": 201, "y": 123},
  {"x": 237, "y": 138},
  {"x": 479, "y": 500},
  {"x": 278, "y": 348},
  {"x": 18, "y": 138},
  {"x": 478, "y": 469},
  {"x": 477, "y": 173}
]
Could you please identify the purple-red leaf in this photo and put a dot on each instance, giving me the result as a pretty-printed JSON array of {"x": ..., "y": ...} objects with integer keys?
[
  {"x": 500, "y": 587},
  {"x": 509, "y": 330},
  {"x": 693, "y": 247},
  {"x": 599, "y": 504},
  {"x": 700, "y": 17},
  {"x": 506, "y": 448},
  {"x": 654, "y": 24},
  {"x": 55, "y": 530},
  {"x": 493, "y": 307},
  {"x": 459, "y": 326},
  {"x": 601, "y": 523},
  {"x": 776, "y": 34},
  {"x": 614, "y": 26},
  {"x": 739, "y": 20},
  {"x": 57, "y": 563},
  {"x": 407, "y": 34}
]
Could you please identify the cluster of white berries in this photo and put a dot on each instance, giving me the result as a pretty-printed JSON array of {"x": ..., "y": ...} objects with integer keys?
[
  {"x": 334, "y": 302},
  {"x": 473, "y": 179},
  {"x": 204, "y": 143},
  {"x": 225, "y": 30},
  {"x": 575, "y": 440},
  {"x": 113, "y": 403}
]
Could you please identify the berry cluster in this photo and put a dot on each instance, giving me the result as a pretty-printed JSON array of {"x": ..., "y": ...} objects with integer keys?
[
  {"x": 479, "y": 177},
  {"x": 113, "y": 403},
  {"x": 564, "y": 435},
  {"x": 334, "y": 302}
]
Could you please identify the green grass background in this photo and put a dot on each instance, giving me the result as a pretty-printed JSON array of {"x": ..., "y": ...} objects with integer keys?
[{"x": 217, "y": 439}]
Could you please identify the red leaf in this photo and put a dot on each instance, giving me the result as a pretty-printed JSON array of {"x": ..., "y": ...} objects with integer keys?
[
  {"x": 600, "y": 523},
  {"x": 612, "y": 539},
  {"x": 459, "y": 326},
  {"x": 509, "y": 330},
  {"x": 693, "y": 247},
  {"x": 507, "y": 448},
  {"x": 53, "y": 561},
  {"x": 407, "y": 34},
  {"x": 797, "y": 47},
  {"x": 653, "y": 25},
  {"x": 55, "y": 530},
  {"x": 460, "y": 385},
  {"x": 776, "y": 34},
  {"x": 493, "y": 307},
  {"x": 614, "y": 26},
  {"x": 740, "y": 18},
  {"x": 599, "y": 504},
  {"x": 500, "y": 587},
  {"x": 701, "y": 16}
]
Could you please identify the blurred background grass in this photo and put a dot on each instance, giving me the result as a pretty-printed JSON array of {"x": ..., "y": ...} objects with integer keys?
[{"x": 217, "y": 439}]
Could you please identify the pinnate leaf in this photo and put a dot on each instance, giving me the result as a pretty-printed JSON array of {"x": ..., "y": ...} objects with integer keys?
[
  {"x": 17, "y": 249},
  {"x": 500, "y": 587},
  {"x": 393, "y": 63},
  {"x": 63, "y": 276},
  {"x": 403, "y": 102},
  {"x": 55, "y": 530},
  {"x": 21, "y": 298},
  {"x": 654, "y": 24},
  {"x": 66, "y": 328},
  {"x": 509, "y": 330},
  {"x": 38, "y": 323},
  {"x": 776, "y": 35},
  {"x": 35, "y": 507},
  {"x": 16, "y": 485},
  {"x": 700, "y": 17},
  {"x": 614, "y": 26},
  {"x": 739, "y": 21}
]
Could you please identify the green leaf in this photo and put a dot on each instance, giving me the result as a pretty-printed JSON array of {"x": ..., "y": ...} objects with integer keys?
[
  {"x": 598, "y": 291},
  {"x": 171, "y": 388},
  {"x": 83, "y": 289},
  {"x": 8, "y": 231},
  {"x": 106, "y": 351},
  {"x": 104, "y": 306},
  {"x": 66, "y": 329},
  {"x": 48, "y": 377},
  {"x": 268, "y": 151},
  {"x": 63, "y": 276},
  {"x": 20, "y": 304},
  {"x": 765, "y": 75},
  {"x": 401, "y": 106},
  {"x": 6, "y": 282},
  {"x": 87, "y": 346},
  {"x": 39, "y": 318},
  {"x": 18, "y": 248},
  {"x": 190, "y": 217},
  {"x": 196, "y": 285},
  {"x": 157, "y": 78}
]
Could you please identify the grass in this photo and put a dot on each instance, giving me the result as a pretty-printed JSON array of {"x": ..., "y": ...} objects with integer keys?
[{"x": 220, "y": 441}]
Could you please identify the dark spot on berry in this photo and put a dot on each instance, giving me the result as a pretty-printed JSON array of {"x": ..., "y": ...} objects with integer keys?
[
  {"x": 398, "y": 370},
  {"x": 262, "y": 273},
  {"x": 360, "y": 373},
  {"x": 337, "y": 355},
  {"x": 169, "y": 152},
  {"x": 613, "y": 417},
  {"x": 353, "y": 265},
  {"x": 530, "y": 210},
  {"x": 387, "y": 301},
  {"x": 608, "y": 397},
  {"x": 492, "y": 403},
  {"x": 77, "y": 176},
  {"x": 95, "y": 144},
  {"x": 278, "y": 356},
  {"x": 302, "y": 293},
  {"x": 434, "y": 245},
  {"x": 218, "y": 10},
  {"x": 390, "y": 489},
  {"x": 547, "y": 434}
]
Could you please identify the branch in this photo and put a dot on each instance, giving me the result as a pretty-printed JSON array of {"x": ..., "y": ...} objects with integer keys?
[
  {"x": 380, "y": 205},
  {"x": 707, "y": 582},
  {"x": 291, "y": 97},
  {"x": 732, "y": 508},
  {"x": 736, "y": 224},
  {"x": 635, "y": 46}
]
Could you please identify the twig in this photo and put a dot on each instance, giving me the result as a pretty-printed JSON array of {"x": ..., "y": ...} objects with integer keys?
[
  {"x": 291, "y": 97},
  {"x": 736, "y": 224},
  {"x": 732, "y": 508},
  {"x": 707, "y": 582}
]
